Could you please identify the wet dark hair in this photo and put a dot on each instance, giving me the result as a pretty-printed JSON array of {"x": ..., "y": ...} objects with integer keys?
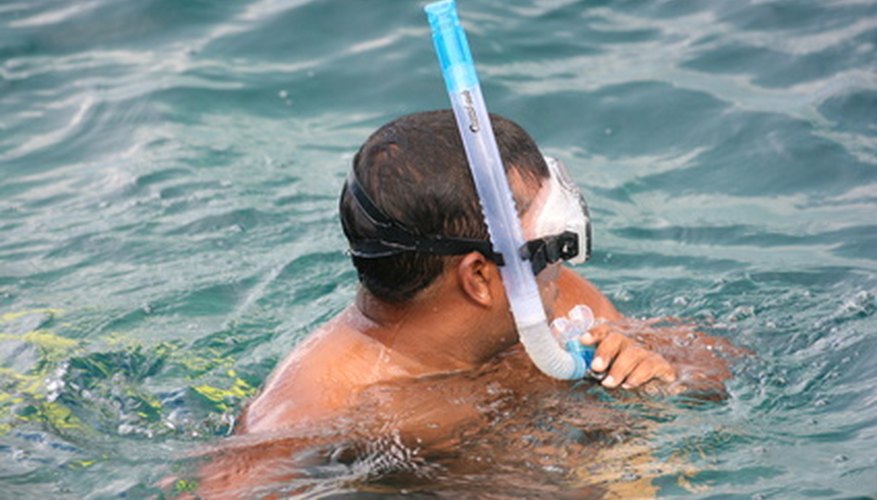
[{"x": 415, "y": 171}]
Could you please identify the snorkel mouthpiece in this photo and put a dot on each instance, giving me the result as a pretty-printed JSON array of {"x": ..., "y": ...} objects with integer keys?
[{"x": 495, "y": 196}]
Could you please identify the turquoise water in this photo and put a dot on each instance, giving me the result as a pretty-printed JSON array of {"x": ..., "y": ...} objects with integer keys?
[{"x": 168, "y": 183}]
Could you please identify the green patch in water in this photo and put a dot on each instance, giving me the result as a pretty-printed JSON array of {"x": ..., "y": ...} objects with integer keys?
[
  {"x": 185, "y": 486},
  {"x": 225, "y": 400}
]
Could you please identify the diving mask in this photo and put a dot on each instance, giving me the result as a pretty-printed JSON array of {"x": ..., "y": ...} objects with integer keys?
[
  {"x": 563, "y": 225},
  {"x": 563, "y": 228}
]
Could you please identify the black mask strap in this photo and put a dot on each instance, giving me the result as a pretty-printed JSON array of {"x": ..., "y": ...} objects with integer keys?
[{"x": 393, "y": 238}]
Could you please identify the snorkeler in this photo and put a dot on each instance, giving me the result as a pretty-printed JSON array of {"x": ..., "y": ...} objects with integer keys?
[
  {"x": 430, "y": 326},
  {"x": 459, "y": 269},
  {"x": 431, "y": 299}
]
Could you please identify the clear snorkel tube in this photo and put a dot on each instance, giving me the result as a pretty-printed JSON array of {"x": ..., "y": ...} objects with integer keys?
[{"x": 496, "y": 199}]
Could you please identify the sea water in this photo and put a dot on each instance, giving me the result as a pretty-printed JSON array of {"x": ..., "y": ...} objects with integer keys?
[{"x": 169, "y": 174}]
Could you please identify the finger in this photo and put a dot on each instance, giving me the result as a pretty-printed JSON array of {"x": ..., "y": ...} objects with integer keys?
[
  {"x": 647, "y": 369},
  {"x": 668, "y": 374},
  {"x": 653, "y": 366},
  {"x": 642, "y": 373},
  {"x": 609, "y": 347},
  {"x": 596, "y": 334},
  {"x": 624, "y": 364}
]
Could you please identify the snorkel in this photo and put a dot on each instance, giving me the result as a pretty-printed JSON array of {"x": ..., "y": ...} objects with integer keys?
[{"x": 495, "y": 196}]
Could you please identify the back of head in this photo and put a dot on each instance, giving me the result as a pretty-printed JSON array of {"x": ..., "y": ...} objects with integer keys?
[{"x": 415, "y": 171}]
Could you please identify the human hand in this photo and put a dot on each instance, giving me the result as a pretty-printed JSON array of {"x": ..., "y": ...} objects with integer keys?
[{"x": 625, "y": 361}]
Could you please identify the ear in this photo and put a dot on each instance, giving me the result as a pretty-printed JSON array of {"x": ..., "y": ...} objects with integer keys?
[{"x": 477, "y": 277}]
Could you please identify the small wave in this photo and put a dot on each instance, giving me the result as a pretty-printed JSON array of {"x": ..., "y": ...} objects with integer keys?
[
  {"x": 55, "y": 16},
  {"x": 48, "y": 140}
]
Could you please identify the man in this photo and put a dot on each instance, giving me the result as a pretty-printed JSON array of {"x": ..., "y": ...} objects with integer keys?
[
  {"x": 419, "y": 313},
  {"x": 431, "y": 305}
]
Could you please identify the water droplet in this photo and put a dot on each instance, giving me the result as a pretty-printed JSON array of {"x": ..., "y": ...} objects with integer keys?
[
  {"x": 494, "y": 388},
  {"x": 841, "y": 459},
  {"x": 629, "y": 477},
  {"x": 554, "y": 469},
  {"x": 283, "y": 94}
]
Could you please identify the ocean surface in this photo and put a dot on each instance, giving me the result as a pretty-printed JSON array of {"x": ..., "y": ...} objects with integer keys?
[{"x": 169, "y": 174}]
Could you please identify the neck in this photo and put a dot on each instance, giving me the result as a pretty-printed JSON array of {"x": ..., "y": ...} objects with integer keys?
[{"x": 437, "y": 331}]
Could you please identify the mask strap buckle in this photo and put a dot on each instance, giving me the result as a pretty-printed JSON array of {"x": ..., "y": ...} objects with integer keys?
[{"x": 544, "y": 251}]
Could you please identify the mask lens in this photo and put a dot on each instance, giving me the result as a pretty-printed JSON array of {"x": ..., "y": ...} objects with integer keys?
[{"x": 565, "y": 211}]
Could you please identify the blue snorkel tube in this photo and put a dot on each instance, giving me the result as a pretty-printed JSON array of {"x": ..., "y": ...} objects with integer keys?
[{"x": 491, "y": 183}]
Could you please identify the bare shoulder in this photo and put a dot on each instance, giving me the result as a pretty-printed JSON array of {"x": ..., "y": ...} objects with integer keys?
[
  {"x": 574, "y": 289},
  {"x": 313, "y": 381}
]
